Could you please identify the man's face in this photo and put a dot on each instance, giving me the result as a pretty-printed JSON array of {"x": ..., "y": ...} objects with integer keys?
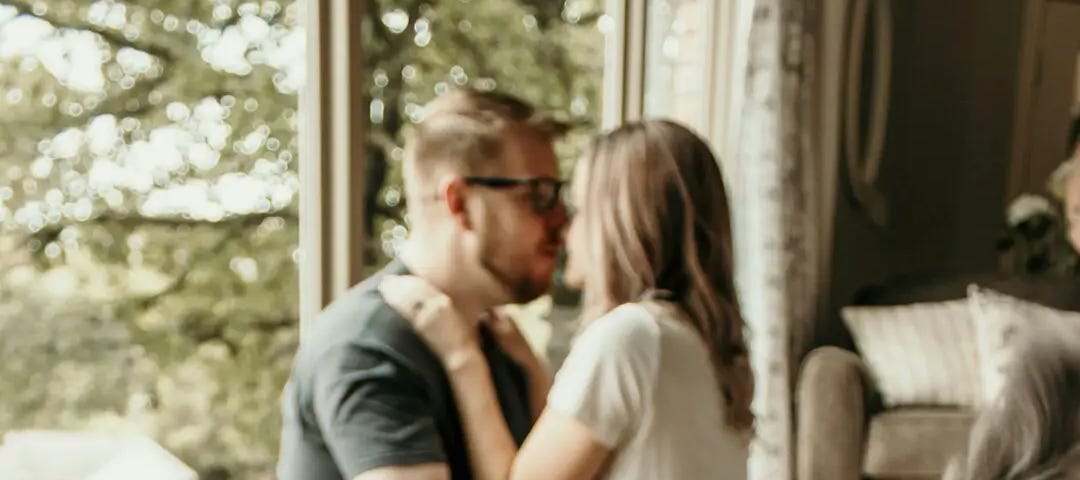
[{"x": 518, "y": 242}]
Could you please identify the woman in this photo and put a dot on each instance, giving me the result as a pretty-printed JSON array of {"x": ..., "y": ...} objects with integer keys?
[
  {"x": 657, "y": 385},
  {"x": 1033, "y": 431}
]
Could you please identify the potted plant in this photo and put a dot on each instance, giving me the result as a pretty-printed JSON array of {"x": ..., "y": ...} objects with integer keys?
[{"x": 1035, "y": 240}]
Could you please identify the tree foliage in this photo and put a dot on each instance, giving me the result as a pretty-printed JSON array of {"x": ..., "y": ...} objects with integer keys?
[{"x": 148, "y": 182}]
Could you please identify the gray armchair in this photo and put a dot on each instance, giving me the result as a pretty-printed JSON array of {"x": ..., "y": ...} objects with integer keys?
[
  {"x": 842, "y": 430},
  {"x": 832, "y": 399},
  {"x": 844, "y": 433}
]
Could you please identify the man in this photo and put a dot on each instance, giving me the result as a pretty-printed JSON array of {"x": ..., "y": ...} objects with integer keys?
[{"x": 367, "y": 399}]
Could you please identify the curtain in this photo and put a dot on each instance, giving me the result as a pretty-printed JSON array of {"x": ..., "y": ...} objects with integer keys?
[{"x": 783, "y": 210}]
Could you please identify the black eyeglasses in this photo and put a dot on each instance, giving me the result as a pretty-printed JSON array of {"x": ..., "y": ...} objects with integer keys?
[{"x": 544, "y": 192}]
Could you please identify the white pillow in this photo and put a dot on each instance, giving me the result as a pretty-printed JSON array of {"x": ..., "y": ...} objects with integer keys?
[
  {"x": 919, "y": 354},
  {"x": 998, "y": 319}
]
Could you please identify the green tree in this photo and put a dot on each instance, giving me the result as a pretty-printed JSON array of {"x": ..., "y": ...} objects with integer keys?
[{"x": 148, "y": 180}]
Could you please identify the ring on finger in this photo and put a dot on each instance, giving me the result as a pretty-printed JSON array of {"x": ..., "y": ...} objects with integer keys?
[{"x": 417, "y": 306}]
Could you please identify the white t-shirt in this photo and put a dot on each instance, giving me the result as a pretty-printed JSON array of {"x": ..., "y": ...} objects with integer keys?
[{"x": 644, "y": 385}]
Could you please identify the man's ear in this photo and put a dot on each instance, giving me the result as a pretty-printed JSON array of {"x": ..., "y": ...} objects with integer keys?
[{"x": 453, "y": 190}]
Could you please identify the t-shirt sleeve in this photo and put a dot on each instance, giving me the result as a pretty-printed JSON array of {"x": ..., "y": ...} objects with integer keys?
[
  {"x": 606, "y": 381},
  {"x": 373, "y": 412}
]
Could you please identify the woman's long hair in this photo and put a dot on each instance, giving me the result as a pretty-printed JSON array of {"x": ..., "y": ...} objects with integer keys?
[
  {"x": 1032, "y": 431},
  {"x": 656, "y": 218}
]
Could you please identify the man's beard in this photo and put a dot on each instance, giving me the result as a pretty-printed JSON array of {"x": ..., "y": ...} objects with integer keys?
[{"x": 521, "y": 287}]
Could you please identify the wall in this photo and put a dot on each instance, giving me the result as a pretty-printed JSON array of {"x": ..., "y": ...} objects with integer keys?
[{"x": 947, "y": 150}]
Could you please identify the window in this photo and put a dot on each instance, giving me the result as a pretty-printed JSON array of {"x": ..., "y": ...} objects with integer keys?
[
  {"x": 149, "y": 206},
  {"x": 695, "y": 57},
  {"x": 149, "y": 222},
  {"x": 676, "y": 80}
]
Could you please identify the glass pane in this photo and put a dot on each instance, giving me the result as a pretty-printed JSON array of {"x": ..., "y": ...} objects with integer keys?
[
  {"x": 548, "y": 52},
  {"x": 148, "y": 224},
  {"x": 675, "y": 73}
]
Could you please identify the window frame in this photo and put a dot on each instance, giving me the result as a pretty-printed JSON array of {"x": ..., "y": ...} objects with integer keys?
[
  {"x": 333, "y": 119},
  {"x": 726, "y": 49},
  {"x": 624, "y": 62}
]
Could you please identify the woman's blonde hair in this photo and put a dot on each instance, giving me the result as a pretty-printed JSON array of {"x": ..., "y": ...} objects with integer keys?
[
  {"x": 656, "y": 218},
  {"x": 1032, "y": 431}
]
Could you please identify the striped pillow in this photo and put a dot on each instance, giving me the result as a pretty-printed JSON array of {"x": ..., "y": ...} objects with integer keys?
[
  {"x": 998, "y": 319},
  {"x": 919, "y": 354}
]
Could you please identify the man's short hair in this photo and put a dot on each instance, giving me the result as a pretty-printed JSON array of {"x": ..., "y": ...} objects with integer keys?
[{"x": 464, "y": 129}]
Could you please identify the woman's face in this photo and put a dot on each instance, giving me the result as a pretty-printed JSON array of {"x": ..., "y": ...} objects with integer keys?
[{"x": 576, "y": 245}]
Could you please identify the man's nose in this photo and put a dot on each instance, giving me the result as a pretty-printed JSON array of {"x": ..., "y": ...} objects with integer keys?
[{"x": 558, "y": 218}]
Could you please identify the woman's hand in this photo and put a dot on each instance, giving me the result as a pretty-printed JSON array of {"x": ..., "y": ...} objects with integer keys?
[{"x": 451, "y": 336}]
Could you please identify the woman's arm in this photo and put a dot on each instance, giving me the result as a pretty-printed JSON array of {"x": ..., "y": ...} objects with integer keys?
[
  {"x": 559, "y": 447},
  {"x": 491, "y": 446}
]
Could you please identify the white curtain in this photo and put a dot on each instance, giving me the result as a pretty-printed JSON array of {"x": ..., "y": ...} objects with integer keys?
[{"x": 783, "y": 199}]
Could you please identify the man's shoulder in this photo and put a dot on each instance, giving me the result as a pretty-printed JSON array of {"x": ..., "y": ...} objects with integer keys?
[
  {"x": 357, "y": 314},
  {"x": 361, "y": 318},
  {"x": 360, "y": 326},
  {"x": 361, "y": 321}
]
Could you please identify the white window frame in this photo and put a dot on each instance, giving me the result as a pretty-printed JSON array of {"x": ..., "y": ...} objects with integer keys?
[
  {"x": 333, "y": 117},
  {"x": 624, "y": 62}
]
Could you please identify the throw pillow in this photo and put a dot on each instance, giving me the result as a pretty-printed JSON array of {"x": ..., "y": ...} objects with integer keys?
[
  {"x": 919, "y": 354},
  {"x": 999, "y": 318}
]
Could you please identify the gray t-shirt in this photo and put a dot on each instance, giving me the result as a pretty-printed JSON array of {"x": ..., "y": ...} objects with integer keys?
[{"x": 366, "y": 392}]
